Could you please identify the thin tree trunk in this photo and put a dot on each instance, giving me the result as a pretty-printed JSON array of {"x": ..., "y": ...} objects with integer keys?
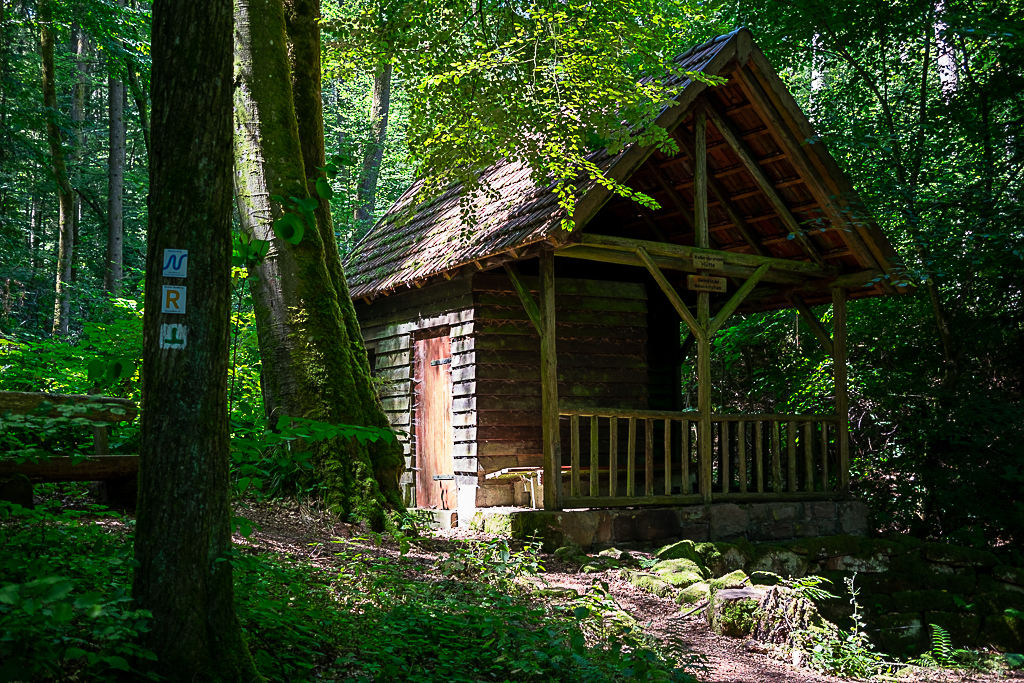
[
  {"x": 366, "y": 192},
  {"x": 183, "y": 534},
  {"x": 140, "y": 95},
  {"x": 115, "y": 186},
  {"x": 65, "y": 197},
  {"x": 311, "y": 360},
  {"x": 80, "y": 47}
]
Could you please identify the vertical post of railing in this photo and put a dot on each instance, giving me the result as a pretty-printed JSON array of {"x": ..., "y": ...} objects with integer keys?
[
  {"x": 631, "y": 459},
  {"x": 824, "y": 456},
  {"x": 741, "y": 445},
  {"x": 723, "y": 447},
  {"x": 649, "y": 457},
  {"x": 684, "y": 446},
  {"x": 595, "y": 483},
  {"x": 574, "y": 430},
  {"x": 808, "y": 457},
  {"x": 791, "y": 457},
  {"x": 613, "y": 456},
  {"x": 776, "y": 457},
  {"x": 839, "y": 370},
  {"x": 702, "y": 241},
  {"x": 668, "y": 457},
  {"x": 759, "y": 454},
  {"x": 549, "y": 385}
]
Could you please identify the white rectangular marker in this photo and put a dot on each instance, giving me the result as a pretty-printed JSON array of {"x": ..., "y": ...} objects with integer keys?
[
  {"x": 175, "y": 262},
  {"x": 173, "y": 336},
  {"x": 173, "y": 299}
]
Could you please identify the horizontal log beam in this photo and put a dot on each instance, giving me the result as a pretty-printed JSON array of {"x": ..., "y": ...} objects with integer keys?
[
  {"x": 98, "y": 468},
  {"x": 100, "y": 408}
]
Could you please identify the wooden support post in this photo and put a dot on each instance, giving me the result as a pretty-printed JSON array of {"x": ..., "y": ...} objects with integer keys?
[
  {"x": 700, "y": 213},
  {"x": 741, "y": 445},
  {"x": 723, "y": 450},
  {"x": 808, "y": 457},
  {"x": 668, "y": 457},
  {"x": 649, "y": 457},
  {"x": 776, "y": 457},
  {"x": 549, "y": 385},
  {"x": 631, "y": 459},
  {"x": 595, "y": 483},
  {"x": 684, "y": 446},
  {"x": 839, "y": 373},
  {"x": 574, "y": 476},
  {"x": 613, "y": 456},
  {"x": 791, "y": 457},
  {"x": 759, "y": 454},
  {"x": 824, "y": 457}
]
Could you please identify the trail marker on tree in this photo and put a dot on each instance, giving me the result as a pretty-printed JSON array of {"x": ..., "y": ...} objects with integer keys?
[
  {"x": 175, "y": 262},
  {"x": 173, "y": 336},
  {"x": 173, "y": 300}
]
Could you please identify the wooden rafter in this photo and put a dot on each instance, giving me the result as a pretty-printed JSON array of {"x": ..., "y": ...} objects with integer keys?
[
  {"x": 730, "y": 134},
  {"x": 532, "y": 310},
  {"x": 673, "y": 194},
  {"x": 736, "y": 299}
]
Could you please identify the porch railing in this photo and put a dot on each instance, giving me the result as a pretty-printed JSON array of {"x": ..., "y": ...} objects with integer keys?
[{"x": 643, "y": 457}]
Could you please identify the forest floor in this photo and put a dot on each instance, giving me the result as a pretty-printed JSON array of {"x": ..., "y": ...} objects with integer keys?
[{"x": 302, "y": 534}]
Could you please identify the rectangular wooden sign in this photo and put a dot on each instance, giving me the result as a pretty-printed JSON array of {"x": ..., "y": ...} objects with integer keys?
[
  {"x": 707, "y": 262},
  {"x": 705, "y": 283}
]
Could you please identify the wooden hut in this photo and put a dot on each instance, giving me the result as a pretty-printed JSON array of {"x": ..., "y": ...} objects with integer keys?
[{"x": 510, "y": 347}]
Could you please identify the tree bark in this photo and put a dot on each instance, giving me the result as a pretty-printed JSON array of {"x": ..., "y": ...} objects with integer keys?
[
  {"x": 314, "y": 364},
  {"x": 366, "y": 192},
  {"x": 183, "y": 534},
  {"x": 79, "y": 46},
  {"x": 65, "y": 196},
  {"x": 140, "y": 95},
  {"x": 115, "y": 186}
]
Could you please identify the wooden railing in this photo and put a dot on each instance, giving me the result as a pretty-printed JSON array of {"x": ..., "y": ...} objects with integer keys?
[{"x": 643, "y": 457}]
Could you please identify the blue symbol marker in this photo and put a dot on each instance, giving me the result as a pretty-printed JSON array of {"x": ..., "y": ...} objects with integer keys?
[{"x": 175, "y": 262}]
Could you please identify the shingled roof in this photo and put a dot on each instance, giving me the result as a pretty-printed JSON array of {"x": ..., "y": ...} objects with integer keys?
[{"x": 417, "y": 240}]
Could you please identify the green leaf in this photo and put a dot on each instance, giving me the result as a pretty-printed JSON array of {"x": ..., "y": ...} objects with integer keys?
[
  {"x": 290, "y": 228},
  {"x": 62, "y": 612},
  {"x": 324, "y": 189},
  {"x": 74, "y": 653},
  {"x": 307, "y": 204},
  {"x": 117, "y": 662}
]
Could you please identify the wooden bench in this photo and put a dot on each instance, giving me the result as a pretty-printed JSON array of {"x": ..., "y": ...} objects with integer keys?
[{"x": 116, "y": 474}]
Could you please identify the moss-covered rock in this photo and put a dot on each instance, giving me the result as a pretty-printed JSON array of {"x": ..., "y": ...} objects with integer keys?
[
  {"x": 826, "y": 547},
  {"x": 924, "y": 600},
  {"x": 1014, "y": 575},
  {"x": 571, "y": 554},
  {"x": 683, "y": 550},
  {"x": 1002, "y": 632},
  {"x": 957, "y": 556},
  {"x": 722, "y": 558},
  {"x": 542, "y": 526},
  {"x": 679, "y": 572},
  {"x": 599, "y": 564},
  {"x": 912, "y": 572},
  {"x": 962, "y": 628},
  {"x": 736, "y": 579},
  {"x": 993, "y": 597},
  {"x": 777, "y": 560},
  {"x": 732, "y": 612},
  {"x": 901, "y": 634},
  {"x": 623, "y": 557},
  {"x": 648, "y": 582},
  {"x": 691, "y": 595}
]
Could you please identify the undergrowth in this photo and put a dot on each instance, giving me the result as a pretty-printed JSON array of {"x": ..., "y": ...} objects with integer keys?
[{"x": 363, "y": 617}]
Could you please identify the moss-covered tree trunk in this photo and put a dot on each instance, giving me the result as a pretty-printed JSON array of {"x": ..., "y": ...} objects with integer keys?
[
  {"x": 314, "y": 363},
  {"x": 183, "y": 535},
  {"x": 65, "y": 195}
]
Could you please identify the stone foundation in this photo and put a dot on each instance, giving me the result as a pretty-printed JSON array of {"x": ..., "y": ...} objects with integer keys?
[{"x": 636, "y": 528}]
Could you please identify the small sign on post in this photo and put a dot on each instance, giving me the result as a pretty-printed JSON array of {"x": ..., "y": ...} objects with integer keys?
[
  {"x": 173, "y": 300},
  {"x": 703, "y": 261},
  {"x": 705, "y": 283},
  {"x": 173, "y": 336},
  {"x": 175, "y": 262}
]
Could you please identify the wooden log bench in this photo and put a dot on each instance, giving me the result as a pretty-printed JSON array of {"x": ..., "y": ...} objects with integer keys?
[{"x": 116, "y": 474}]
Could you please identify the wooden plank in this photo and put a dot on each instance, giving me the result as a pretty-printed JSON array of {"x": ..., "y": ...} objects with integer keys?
[
  {"x": 839, "y": 375},
  {"x": 549, "y": 384},
  {"x": 608, "y": 502},
  {"x": 693, "y": 415},
  {"x": 732, "y": 137},
  {"x": 812, "y": 322},
  {"x": 524, "y": 294},
  {"x": 625, "y": 318},
  {"x": 736, "y": 299},
  {"x": 673, "y": 195},
  {"x": 778, "y": 497},
  {"x": 741, "y": 443},
  {"x": 60, "y": 468},
  {"x": 776, "y": 457},
  {"x": 594, "y": 481},
  {"x": 684, "y": 444},
  {"x": 613, "y": 457},
  {"x": 808, "y": 457},
  {"x": 631, "y": 459},
  {"x": 759, "y": 454},
  {"x": 564, "y": 330},
  {"x": 425, "y": 315},
  {"x": 668, "y": 457},
  {"x": 95, "y": 407},
  {"x": 495, "y": 282},
  {"x": 649, "y": 457},
  {"x": 567, "y": 303},
  {"x": 670, "y": 291},
  {"x": 574, "y": 431},
  {"x": 723, "y": 447},
  {"x": 791, "y": 456},
  {"x": 522, "y": 343}
]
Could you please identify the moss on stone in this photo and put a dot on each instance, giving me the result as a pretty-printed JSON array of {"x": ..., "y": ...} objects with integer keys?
[
  {"x": 958, "y": 556},
  {"x": 726, "y": 557},
  {"x": 924, "y": 600},
  {"x": 736, "y": 579},
  {"x": 778, "y": 560},
  {"x": 679, "y": 572},
  {"x": 902, "y": 634},
  {"x": 648, "y": 582},
  {"x": 1003, "y": 633},
  {"x": 1014, "y": 575},
  {"x": 733, "y": 618},
  {"x": 826, "y": 546},
  {"x": 682, "y": 550},
  {"x": 693, "y": 594},
  {"x": 962, "y": 628},
  {"x": 542, "y": 526}
]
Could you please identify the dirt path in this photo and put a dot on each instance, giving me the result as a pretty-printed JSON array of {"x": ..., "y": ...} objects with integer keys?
[{"x": 727, "y": 660}]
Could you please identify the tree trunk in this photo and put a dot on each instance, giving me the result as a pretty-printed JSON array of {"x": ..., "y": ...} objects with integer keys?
[
  {"x": 314, "y": 364},
  {"x": 65, "y": 197},
  {"x": 366, "y": 192},
  {"x": 183, "y": 534},
  {"x": 140, "y": 95},
  {"x": 80, "y": 46},
  {"x": 115, "y": 187}
]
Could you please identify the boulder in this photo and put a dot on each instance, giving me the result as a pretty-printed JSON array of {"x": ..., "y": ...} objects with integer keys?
[
  {"x": 826, "y": 547},
  {"x": 683, "y": 550},
  {"x": 623, "y": 557},
  {"x": 962, "y": 628},
  {"x": 901, "y": 633},
  {"x": 692, "y": 595},
  {"x": 1014, "y": 575},
  {"x": 1003, "y": 633},
  {"x": 924, "y": 600},
  {"x": 778, "y": 560},
  {"x": 957, "y": 556},
  {"x": 736, "y": 579},
  {"x": 721, "y": 558},
  {"x": 679, "y": 573},
  {"x": 648, "y": 582}
]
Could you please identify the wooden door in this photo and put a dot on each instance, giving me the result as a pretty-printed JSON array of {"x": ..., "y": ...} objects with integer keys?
[{"x": 434, "y": 425}]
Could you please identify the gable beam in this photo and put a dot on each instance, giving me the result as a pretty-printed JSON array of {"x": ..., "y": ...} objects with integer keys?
[{"x": 731, "y": 135}]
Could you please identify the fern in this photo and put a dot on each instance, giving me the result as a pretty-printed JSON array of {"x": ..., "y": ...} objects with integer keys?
[{"x": 942, "y": 646}]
